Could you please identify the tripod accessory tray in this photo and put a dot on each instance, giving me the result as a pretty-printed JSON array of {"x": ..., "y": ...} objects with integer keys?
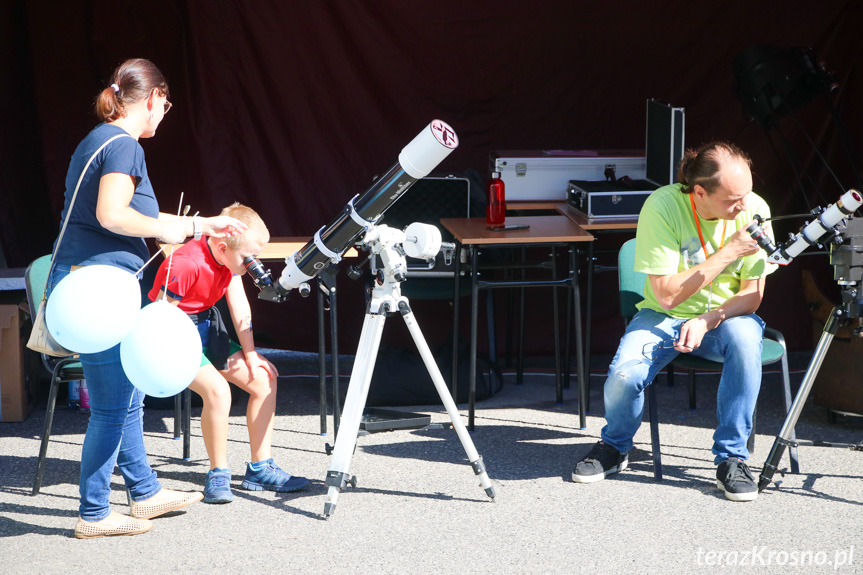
[{"x": 375, "y": 420}]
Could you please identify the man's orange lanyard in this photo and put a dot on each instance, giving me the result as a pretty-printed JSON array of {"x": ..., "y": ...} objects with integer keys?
[{"x": 703, "y": 245}]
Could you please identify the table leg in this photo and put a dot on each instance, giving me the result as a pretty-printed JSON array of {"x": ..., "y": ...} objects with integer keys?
[
  {"x": 334, "y": 345},
  {"x": 510, "y": 312},
  {"x": 474, "y": 297},
  {"x": 588, "y": 321},
  {"x": 455, "y": 326},
  {"x": 322, "y": 362},
  {"x": 579, "y": 343},
  {"x": 567, "y": 346},
  {"x": 519, "y": 370},
  {"x": 558, "y": 384}
]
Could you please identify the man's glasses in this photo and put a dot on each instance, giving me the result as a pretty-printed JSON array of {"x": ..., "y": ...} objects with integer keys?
[
  {"x": 167, "y": 106},
  {"x": 664, "y": 344}
]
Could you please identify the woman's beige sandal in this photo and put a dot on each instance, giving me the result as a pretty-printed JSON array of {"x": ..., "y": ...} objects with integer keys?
[
  {"x": 164, "y": 501},
  {"x": 114, "y": 524}
]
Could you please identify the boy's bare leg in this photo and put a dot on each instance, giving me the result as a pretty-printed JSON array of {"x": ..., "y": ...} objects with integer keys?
[
  {"x": 262, "y": 404},
  {"x": 216, "y": 393}
]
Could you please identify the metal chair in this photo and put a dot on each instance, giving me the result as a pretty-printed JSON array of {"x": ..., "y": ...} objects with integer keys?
[
  {"x": 63, "y": 369},
  {"x": 631, "y": 284}
]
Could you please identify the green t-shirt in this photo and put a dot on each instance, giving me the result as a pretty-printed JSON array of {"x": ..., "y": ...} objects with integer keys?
[{"x": 667, "y": 243}]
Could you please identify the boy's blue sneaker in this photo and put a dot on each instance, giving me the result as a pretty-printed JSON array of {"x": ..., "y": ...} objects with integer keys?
[
  {"x": 217, "y": 488},
  {"x": 272, "y": 478}
]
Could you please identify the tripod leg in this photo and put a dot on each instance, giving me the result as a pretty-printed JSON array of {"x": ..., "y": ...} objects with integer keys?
[
  {"x": 786, "y": 433},
  {"x": 472, "y": 455},
  {"x": 358, "y": 391}
]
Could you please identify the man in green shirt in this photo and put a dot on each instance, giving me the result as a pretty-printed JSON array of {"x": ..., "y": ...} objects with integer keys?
[{"x": 705, "y": 280}]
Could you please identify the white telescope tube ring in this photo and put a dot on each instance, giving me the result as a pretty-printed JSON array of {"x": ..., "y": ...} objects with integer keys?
[
  {"x": 365, "y": 224},
  {"x": 319, "y": 243}
]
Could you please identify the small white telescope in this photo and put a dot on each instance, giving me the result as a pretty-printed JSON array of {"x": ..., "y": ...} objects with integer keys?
[{"x": 812, "y": 233}]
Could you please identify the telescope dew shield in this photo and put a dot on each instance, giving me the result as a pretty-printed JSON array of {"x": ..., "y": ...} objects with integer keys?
[{"x": 415, "y": 161}]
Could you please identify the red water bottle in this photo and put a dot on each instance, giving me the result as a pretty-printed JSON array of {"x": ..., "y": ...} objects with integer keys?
[{"x": 495, "y": 210}]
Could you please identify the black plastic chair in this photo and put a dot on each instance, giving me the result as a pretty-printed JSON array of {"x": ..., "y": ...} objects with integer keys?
[{"x": 631, "y": 284}]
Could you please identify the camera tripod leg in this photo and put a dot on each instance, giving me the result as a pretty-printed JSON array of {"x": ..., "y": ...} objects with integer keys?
[
  {"x": 433, "y": 370},
  {"x": 338, "y": 476},
  {"x": 786, "y": 433}
]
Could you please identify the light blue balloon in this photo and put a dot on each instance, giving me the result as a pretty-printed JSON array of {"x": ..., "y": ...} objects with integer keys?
[
  {"x": 162, "y": 354},
  {"x": 93, "y": 308}
]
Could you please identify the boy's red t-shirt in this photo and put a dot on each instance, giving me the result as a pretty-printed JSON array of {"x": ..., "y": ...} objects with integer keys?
[{"x": 197, "y": 280}]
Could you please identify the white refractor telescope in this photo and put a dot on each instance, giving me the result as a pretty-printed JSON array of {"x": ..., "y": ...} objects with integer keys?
[
  {"x": 416, "y": 160},
  {"x": 812, "y": 233}
]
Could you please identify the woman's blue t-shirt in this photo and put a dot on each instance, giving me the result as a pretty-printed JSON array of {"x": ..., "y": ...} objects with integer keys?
[{"x": 86, "y": 242}]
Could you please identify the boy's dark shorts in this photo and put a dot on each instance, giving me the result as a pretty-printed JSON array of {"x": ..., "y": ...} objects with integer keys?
[{"x": 235, "y": 347}]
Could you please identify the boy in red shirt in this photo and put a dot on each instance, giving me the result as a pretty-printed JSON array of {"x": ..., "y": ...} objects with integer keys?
[{"x": 202, "y": 271}]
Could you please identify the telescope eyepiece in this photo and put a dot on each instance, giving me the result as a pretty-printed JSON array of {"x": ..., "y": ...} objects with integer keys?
[
  {"x": 260, "y": 275},
  {"x": 757, "y": 233}
]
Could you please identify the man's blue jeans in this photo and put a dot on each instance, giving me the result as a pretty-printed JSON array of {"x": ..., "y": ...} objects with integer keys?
[
  {"x": 115, "y": 433},
  {"x": 646, "y": 348}
]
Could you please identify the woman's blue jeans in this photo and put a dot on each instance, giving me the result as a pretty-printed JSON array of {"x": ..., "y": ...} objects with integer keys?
[
  {"x": 115, "y": 434},
  {"x": 646, "y": 348}
]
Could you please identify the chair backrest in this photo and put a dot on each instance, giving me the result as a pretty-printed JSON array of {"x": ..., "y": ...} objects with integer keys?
[
  {"x": 35, "y": 279},
  {"x": 630, "y": 282}
]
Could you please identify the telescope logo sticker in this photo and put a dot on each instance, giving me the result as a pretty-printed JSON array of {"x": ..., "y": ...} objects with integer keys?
[{"x": 444, "y": 134}]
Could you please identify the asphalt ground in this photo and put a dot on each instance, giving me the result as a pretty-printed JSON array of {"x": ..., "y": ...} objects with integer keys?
[{"x": 418, "y": 508}]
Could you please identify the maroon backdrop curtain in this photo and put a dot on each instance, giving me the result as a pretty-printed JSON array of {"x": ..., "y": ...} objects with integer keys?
[{"x": 292, "y": 107}]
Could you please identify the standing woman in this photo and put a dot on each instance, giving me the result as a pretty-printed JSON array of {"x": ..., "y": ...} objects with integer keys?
[{"x": 114, "y": 211}]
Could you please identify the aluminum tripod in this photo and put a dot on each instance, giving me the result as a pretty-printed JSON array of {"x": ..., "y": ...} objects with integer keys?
[
  {"x": 386, "y": 300},
  {"x": 846, "y": 257}
]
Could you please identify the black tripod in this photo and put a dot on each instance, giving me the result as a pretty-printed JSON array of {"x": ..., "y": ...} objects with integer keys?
[{"x": 847, "y": 258}]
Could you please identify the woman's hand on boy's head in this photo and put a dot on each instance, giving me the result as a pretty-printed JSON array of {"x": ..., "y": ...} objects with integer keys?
[{"x": 223, "y": 226}]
